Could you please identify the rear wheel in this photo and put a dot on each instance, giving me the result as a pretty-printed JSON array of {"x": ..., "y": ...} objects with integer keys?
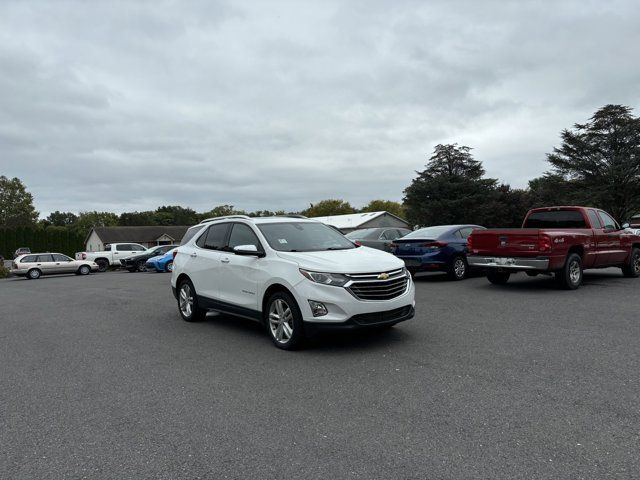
[
  {"x": 498, "y": 278},
  {"x": 457, "y": 269},
  {"x": 632, "y": 268},
  {"x": 570, "y": 276},
  {"x": 103, "y": 265},
  {"x": 188, "y": 303},
  {"x": 284, "y": 321},
  {"x": 34, "y": 274}
]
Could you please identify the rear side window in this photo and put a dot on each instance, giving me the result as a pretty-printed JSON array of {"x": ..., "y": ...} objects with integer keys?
[
  {"x": 44, "y": 258},
  {"x": 466, "y": 232},
  {"x": 28, "y": 259},
  {"x": 190, "y": 234},
  {"x": 389, "y": 235},
  {"x": 243, "y": 235},
  {"x": 556, "y": 219},
  {"x": 214, "y": 237},
  {"x": 593, "y": 218},
  {"x": 58, "y": 257}
]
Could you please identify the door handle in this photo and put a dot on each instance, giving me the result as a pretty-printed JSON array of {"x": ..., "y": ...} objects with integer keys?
[
  {"x": 225, "y": 260},
  {"x": 194, "y": 255}
]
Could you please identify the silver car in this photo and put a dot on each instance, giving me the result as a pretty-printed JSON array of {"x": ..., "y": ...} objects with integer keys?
[
  {"x": 380, "y": 238},
  {"x": 34, "y": 265}
]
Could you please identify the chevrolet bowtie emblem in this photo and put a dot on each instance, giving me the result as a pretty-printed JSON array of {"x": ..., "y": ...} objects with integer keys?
[{"x": 383, "y": 276}]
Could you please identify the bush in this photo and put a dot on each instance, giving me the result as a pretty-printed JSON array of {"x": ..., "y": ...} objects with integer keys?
[{"x": 4, "y": 271}]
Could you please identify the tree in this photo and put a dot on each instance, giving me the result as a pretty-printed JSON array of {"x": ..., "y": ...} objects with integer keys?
[
  {"x": 394, "y": 208},
  {"x": 88, "y": 220},
  {"x": 16, "y": 204},
  {"x": 175, "y": 215},
  {"x": 552, "y": 189},
  {"x": 325, "y": 208},
  {"x": 601, "y": 159},
  {"x": 61, "y": 219},
  {"x": 451, "y": 190},
  {"x": 221, "y": 211},
  {"x": 137, "y": 219}
]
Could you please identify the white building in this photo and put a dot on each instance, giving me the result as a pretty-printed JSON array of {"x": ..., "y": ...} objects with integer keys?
[
  {"x": 356, "y": 221},
  {"x": 146, "y": 236}
]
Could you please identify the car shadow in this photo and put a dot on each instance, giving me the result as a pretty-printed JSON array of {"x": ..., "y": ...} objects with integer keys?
[
  {"x": 368, "y": 338},
  {"x": 522, "y": 283}
]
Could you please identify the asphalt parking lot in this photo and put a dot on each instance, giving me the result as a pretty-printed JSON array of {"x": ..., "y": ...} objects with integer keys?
[{"x": 101, "y": 379}]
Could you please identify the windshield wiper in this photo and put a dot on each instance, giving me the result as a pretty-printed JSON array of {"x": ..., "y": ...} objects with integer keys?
[{"x": 339, "y": 248}]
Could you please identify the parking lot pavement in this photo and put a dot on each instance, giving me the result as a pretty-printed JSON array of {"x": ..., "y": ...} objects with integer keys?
[{"x": 101, "y": 379}]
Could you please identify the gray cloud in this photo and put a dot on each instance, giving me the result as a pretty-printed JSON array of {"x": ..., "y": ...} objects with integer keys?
[{"x": 129, "y": 105}]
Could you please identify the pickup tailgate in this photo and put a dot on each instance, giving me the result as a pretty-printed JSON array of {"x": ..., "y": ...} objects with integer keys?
[{"x": 517, "y": 242}]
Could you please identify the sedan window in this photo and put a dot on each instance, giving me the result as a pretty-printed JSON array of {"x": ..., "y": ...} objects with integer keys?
[
  {"x": 58, "y": 257},
  {"x": 44, "y": 258}
]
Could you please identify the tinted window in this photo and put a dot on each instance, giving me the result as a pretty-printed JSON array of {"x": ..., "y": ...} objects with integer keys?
[
  {"x": 216, "y": 236},
  {"x": 608, "y": 222},
  {"x": 43, "y": 258},
  {"x": 362, "y": 233},
  {"x": 242, "y": 234},
  {"x": 303, "y": 237},
  {"x": 593, "y": 218},
  {"x": 190, "y": 234},
  {"x": 389, "y": 235},
  {"x": 137, "y": 248},
  {"x": 28, "y": 259},
  {"x": 123, "y": 247},
  {"x": 556, "y": 219},
  {"x": 58, "y": 257},
  {"x": 466, "y": 232},
  {"x": 429, "y": 233}
]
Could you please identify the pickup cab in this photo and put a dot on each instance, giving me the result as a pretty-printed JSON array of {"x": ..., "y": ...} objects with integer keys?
[
  {"x": 563, "y": 241},
  {"x": 111, "y": 254}
]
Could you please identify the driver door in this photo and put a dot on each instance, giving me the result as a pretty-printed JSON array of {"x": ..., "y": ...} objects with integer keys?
[{"x": 612, "y": 231}]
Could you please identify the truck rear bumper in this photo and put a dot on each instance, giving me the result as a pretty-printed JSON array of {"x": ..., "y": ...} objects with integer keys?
[{"x": 509, "y": 263}]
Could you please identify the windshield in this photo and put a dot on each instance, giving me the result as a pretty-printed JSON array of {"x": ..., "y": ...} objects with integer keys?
[
  {"x": 429, "y": 233},
  {"x": 303, "y": 237},
  {"x": 361, "y": 233}
]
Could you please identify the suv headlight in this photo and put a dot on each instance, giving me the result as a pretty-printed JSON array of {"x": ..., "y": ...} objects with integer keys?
[{"x": 333, "y": 279}]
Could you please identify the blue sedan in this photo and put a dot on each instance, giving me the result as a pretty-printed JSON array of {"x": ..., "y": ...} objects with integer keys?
[
  {"x": 441, "y": 248},
  {"x": 161, "y": 263}
]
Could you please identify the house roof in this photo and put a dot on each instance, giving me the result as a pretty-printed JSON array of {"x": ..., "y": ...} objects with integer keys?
[
  {"x": 354, "y": 220},
  {"x": 138, "y": 234}
]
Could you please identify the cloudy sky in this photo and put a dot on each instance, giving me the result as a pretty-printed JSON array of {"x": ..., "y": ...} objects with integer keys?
[{"x": 128, "y": 105}]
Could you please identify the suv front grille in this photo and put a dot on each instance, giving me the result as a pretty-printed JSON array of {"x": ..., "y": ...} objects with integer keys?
[{"x": 370, "y": 286}]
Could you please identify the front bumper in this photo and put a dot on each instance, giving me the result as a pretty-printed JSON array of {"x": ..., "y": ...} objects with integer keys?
[
  {"x": 509, "y": 263},
  {"x": 363, "y": 320}
]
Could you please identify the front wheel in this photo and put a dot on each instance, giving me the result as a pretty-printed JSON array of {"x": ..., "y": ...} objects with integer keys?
[
  {"x": 632, "y": 268},
  {"x": 458, "y": 269},
  {"x": 284, "y": 321},
  {"x": 498, "y": 278},
  {"x": 84, "y": 270},
  {"x": 570, "y": 276},
  {"x": 141, "y": 266},
  {"x": 169, "y": 267}
]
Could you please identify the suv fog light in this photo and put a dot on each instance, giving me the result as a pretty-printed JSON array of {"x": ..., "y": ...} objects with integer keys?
[{"x": 318, "y": 309}]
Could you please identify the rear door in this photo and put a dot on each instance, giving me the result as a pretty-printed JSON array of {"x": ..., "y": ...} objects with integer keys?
[
  {"x": 242, "y": 273},
  {"x": 45, "y": 263},
  {"x": 203, "y": 263}
]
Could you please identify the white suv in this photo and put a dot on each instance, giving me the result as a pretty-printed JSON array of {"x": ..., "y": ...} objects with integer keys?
[{"x": 293, "y": 274}]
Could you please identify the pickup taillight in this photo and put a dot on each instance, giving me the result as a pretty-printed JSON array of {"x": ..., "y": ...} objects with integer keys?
[
  {"x": 84, "y": 256},
  {"x": 544, "y": 243}
]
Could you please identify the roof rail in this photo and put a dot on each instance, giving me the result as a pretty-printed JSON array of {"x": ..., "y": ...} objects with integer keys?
[
  {"x": 207, "y": 220},
  {"x": 292, "y": 215}
]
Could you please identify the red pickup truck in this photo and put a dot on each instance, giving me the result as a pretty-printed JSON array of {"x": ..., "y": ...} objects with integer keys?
[{"x": 559, "y": 240}]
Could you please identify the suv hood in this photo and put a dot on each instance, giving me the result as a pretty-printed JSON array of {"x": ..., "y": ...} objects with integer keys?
[{"x": 356, "y": 260}]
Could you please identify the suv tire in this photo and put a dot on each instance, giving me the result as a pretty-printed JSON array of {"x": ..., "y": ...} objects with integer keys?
[
  {"x": 632, "y": 268},
  {"x": 571, "y": 275},
  {"x": 283, "y": 320},
  {"x": 188, "y": 303}
]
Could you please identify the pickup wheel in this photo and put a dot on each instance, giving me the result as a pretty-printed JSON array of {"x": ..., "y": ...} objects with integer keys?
[
  {"x": 457, "y": 269},
  {"x": 103, "y": 265},
  {"x": 188, "y": 303},
  {"x": 498, "y": 278},
  {"x": 632, "y": 268},
  {"x": 284, "y": 321},
  {"x": 570, "y": 276}
]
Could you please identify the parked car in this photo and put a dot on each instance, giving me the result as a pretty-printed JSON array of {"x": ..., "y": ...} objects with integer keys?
[
  {"x": 111, "y": 254},
  {"x": 138, "y": 261},
  {"x": 34, "y": 265},
  {"x": 380, "y": 238},
  {"x": 21, "y": 251},
  {"x": 439, "y": 248},
  {"x": 161, "y": 263},
  {"x": 294, "y": 275},
  {"x": 563, "y": 241}
]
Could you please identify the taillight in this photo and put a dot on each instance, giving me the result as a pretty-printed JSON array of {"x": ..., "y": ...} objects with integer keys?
[
  {"x": 15, "y": 265},
  {"x": 434, "y": 244},
  {"x": 84, "y": 256},
  {"x": 174, "y": 254},
  {"x": 393, "y": 245},
  {"x": 544, "y": 243},
  {"x": 358, "y": 243}
]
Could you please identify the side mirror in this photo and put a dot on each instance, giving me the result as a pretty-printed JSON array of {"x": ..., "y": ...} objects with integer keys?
[
  {"x": 625, "y": 225},
  {"x": 248, "y": 250}
]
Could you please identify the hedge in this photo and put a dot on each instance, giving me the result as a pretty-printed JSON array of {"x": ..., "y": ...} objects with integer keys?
[{"x": 51, "y": 239}]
